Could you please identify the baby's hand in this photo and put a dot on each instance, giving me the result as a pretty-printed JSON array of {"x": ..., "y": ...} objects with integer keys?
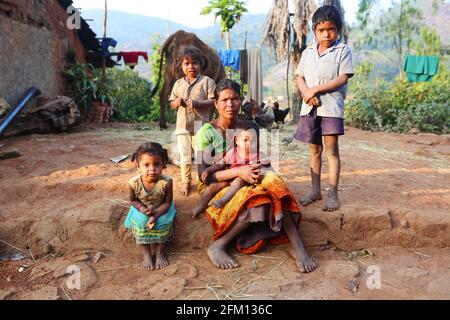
[{"x": 205, "y": 176}]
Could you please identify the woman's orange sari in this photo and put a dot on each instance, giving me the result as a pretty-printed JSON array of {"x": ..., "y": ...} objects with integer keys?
[{"x": 271, "y": 191}]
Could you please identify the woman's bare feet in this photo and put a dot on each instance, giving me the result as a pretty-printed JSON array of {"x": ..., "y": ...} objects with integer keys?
[
  {"x": 310, "y": 198},
  {"x": 220, "y": 258},
  {"x": 147, "y": 263},
  {"x": 332, "y": 203},
  {"x": 304, "y": 262}
]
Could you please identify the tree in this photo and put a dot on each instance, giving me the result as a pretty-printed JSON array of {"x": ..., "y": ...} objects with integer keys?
[
  {"x": 396, "y": 27},
  {"x": 230, "y": 13}
]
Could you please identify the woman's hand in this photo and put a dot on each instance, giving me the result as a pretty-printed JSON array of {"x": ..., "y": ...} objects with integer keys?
[{"x": 250, "y": 173}]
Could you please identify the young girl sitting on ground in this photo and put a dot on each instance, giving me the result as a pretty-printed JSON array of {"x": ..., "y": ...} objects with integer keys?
[
  {"x": 246, "y": 152},
  {"x": 152, "y": 210}
]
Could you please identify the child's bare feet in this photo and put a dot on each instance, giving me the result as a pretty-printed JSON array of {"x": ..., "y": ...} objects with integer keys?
[
  {"x": 332, "y": 203},
  {"x": 161, "y": 261},
  {"x": 220, "y": 258},
  {"x": 197, "y": 211},
  {"x": 219, "y": 204},
  {"x": 147, "y": 263},
  {"x": 186, "y": 189},
  {"x": 310, "y": 198}
]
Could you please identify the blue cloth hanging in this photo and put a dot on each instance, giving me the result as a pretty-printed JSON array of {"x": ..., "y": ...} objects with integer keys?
[
  {"x": 230, "y": 58},
  {"x": 105, "y": 43}
]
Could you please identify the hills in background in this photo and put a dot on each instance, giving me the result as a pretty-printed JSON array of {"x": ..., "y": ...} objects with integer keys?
[{"x": 138, "y": 33}]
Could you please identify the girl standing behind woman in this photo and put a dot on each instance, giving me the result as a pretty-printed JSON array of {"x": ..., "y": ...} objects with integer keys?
[
  {"x": 152, "y": 210},
  {"x": 193, "y": 96}
]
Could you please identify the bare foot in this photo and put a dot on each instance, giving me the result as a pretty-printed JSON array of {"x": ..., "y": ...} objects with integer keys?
[
  {"x": 332, "y": 200},
  {"x": 219, "y": 204},
  {"x": 197, "y": 211},
  {"x": 186, "y": 189},
  {"x": 310, "y": 198},
  {"x": 220, "y": 258},
  {"x": 161, "y": 261},
  {"x": 147, "y": 263},
  {"x": 304, "y": 262}
]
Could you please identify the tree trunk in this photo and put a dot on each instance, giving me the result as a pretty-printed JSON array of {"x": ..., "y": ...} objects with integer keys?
[{"x": 227, "y": 40}]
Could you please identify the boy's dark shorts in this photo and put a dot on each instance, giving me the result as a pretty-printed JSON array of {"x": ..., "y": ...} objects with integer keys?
[{"x": 311, "y": 128}]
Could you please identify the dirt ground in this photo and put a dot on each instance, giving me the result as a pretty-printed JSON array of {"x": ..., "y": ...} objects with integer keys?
[{"x": 64, "y": 201}]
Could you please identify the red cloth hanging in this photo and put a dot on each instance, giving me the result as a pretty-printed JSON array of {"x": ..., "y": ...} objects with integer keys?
[{"x": 131, "y": 58}]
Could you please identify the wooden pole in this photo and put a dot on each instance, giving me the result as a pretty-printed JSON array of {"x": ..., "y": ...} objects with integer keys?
[{"x": 105, "y": 18}]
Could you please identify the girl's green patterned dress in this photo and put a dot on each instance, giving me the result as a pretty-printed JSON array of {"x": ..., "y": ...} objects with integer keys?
[{"x": 137, "y": 221}]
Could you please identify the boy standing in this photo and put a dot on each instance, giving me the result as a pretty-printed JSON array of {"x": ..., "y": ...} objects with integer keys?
[
  {"x": 193, "y": 96},
  {"x": 322, "y": 77}
]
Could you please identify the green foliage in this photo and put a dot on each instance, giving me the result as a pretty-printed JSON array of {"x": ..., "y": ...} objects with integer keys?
[
  {"x": 133, "y": 92},
  {"x": 133, "y": 96},
  {"x": 430, "y": 43},
  {"x": 398, "y": 106},
  {"x": 85, "y": 84},
  {"x": 155, "y": 60},
  {"x": 229, "y": 11},
  {"x": 396, "y": 28}
]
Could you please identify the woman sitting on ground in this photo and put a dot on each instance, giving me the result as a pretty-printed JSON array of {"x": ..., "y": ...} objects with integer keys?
[{"x": 256, "y": 214}]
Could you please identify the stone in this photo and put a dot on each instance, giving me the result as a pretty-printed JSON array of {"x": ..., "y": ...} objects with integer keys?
[
  {"x": 4, "y": 294},
  {"x": 44, "y": 293},
  {"x": 15, "y": 153},
  {"x": 4, "y": 107},
  {"x": 167, "y": 289},
  {"x": 414, "y": 273}
]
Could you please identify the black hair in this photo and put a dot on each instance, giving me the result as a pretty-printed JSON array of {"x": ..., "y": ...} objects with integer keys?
[
  {"x": 249, "y": 125},
  {"x": 227, "y": 84},
  {"x": 152, "y": 148},
  {"x": 194, "y": 53},
  {"x": 327, "y": 13}
]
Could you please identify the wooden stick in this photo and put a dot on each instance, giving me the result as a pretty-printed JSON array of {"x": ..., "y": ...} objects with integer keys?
[{"x": 68, "y": 297}]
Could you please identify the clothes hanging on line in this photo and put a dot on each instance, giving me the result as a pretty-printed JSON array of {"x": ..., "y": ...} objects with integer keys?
[
  {"x": 255, "y": 83},
  {"x": 105, "y": 43},
  {"x": 131, "y": 58},
  {"x": 421, "y": 68},
  {"x": 230, "y": 58},
  {"x": 243, "y": 66}
]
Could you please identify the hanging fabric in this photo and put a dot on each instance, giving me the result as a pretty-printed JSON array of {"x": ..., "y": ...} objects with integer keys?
[
  {"x": 230, "y": 58},
  {"x": 105, "y": 43},
  {"x": 421, "y": 68},
  {"x": 255, "y": 84},
  {"x": 131, "y": 58},
  {"x": 243, "y": 66}
]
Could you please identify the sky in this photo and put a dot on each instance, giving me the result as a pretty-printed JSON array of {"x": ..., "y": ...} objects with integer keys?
[{"x": 187, "y": 12}]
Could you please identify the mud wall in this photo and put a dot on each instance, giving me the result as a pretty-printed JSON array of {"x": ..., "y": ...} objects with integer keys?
[{"x": 33, "y": 43}]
